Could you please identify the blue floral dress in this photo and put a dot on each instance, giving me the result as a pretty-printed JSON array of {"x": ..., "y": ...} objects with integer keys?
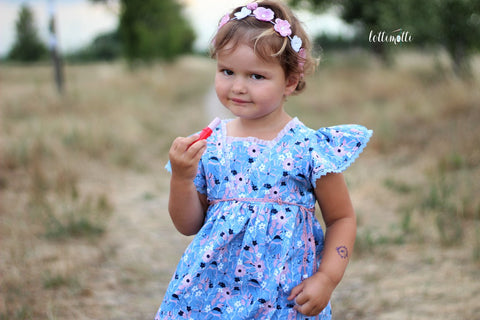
[{"x": 260, "y": 237}]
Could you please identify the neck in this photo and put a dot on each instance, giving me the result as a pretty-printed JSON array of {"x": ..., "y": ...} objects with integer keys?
[{"x": 265, "y": 128}]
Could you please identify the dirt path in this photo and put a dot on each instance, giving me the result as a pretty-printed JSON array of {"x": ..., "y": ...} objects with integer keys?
[
  {"x": 399, "y": 270},
  {"x": 140, "y": 248},
  {"x": 388, "y": 281}
]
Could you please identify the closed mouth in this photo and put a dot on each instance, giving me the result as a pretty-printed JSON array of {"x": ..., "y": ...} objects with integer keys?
[{"x": 239, "y": 101}]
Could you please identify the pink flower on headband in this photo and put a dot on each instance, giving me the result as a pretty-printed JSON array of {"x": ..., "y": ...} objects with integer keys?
[
  {"x": 302, "y": 57},
  {"x": 282, "y": 27},
  {"x": 263, "y": 14},
  {"x": 224, "y": 20}
]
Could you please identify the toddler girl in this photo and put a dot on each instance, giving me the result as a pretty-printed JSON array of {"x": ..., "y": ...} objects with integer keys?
[{"x": 248, "y": 192}]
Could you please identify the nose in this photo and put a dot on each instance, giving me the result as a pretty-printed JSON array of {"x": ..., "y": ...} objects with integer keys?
[{"x": 239, "y": 85}]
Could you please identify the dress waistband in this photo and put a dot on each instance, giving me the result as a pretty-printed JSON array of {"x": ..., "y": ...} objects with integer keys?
[
  {"x": 307, "y": 218},
  {"x": 277, "y": 201}
]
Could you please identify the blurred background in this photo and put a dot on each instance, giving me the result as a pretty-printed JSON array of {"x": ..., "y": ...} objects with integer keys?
[{"x": 92, "y": 92}]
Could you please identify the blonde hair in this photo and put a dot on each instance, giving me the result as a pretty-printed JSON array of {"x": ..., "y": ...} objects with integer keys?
[{"x": 268, "y": 44}]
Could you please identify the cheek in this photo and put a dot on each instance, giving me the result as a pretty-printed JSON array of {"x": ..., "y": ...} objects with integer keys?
[
  {"x": 221, "y": 88},
  {"x": 218, "y": 86}
]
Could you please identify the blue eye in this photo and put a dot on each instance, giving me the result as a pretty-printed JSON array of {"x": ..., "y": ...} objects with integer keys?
[{"x": 257, "y": 77}]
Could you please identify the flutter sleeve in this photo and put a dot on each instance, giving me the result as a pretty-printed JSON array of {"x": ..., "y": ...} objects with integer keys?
[{"x": 336, "y": 148}]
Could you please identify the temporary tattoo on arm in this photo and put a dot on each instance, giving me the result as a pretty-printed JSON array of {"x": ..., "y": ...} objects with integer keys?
[{"x": 342, "y": 252}]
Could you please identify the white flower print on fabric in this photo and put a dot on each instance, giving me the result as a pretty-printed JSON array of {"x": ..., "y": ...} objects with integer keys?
[{"x": 254, "y": 238}]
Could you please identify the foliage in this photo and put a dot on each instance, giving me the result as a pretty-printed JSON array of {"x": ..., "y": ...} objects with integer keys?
[
  {"x": 453, "y": 24},
  {"x": 105, "y": 47},
  {"x": 460, "y": 31},
  {"x": 337, "y": 42},
  {"x": 27, "y": 47},
  {"x": 153, "y": 28}
]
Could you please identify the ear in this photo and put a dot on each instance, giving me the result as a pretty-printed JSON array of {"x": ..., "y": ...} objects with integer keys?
[{"x": 291, "y": 84}]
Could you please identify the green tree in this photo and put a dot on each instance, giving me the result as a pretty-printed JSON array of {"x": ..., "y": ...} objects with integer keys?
[
  {"x": 27, "y": 47},
  {"x": 105, "y": 47},
  {"x": 459, "y": 31},
  {"x": 453, "y": 24},
  {"x": 368, "y": 16},
  {"x": 151, "y": 29}
]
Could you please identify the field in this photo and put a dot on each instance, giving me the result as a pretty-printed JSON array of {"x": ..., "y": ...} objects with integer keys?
[{"x": 84, "y": 227}]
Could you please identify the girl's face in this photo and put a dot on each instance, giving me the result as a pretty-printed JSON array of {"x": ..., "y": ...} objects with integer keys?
[{"x": 248, "y": 86}]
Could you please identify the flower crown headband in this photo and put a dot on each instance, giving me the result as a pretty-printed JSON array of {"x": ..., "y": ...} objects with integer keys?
[{"x": 282, "y": 27}]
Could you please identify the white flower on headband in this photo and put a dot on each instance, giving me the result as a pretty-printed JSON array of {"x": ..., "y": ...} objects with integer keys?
[
  {"x": 296, "y": 43},
  {"x": 245, "y": 12}
]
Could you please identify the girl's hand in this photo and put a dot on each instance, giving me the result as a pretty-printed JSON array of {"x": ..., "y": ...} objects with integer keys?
[
  {"x": 184, "y": 159},
  {"x": 186, "y": 205},
  {"x": 313, "y": 294}
]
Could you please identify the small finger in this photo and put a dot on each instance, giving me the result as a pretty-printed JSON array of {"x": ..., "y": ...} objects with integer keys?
[
  {"x": 295, "y": 291},
  {"x": 181, "y": 144},
  {"x": 189, "y": 141},
  {"x": 300, "y": 299},
  {"x": 305, "y": 309},
  {"x": 197, "y": 149}
]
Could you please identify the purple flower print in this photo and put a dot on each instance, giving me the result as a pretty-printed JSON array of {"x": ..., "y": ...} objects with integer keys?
[
  {"x": 252, "y": 6},
  {"x": 240, "y": 270},
  {"x": 288, "y": 164},
  {"x": 340, "y": 151},
  {"x": 186, "y": 281},
  {"x": 226, "y": 293},
  {"x": 222, "y": 295},
  {"x": 282, "y": 27},
  {"x": 281, "y": 218},
  {"x": 275, "y": 192},
  {"x": 259, "y": 266},
  {"x": 266, "y": 308},
  {"x": 263, "y": 14},
  {"x": 240, "y": 179},
  {"x": 256, "y": 244},
  {"x": 253, "y": 151},
  {"x": 207, "y": 256}
]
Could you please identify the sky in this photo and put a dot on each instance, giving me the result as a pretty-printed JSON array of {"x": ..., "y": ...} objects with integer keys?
[{"x": 79, "y": 21}]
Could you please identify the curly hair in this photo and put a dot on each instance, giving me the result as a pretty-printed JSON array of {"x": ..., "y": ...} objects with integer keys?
[{"x": 267, "y": 43}]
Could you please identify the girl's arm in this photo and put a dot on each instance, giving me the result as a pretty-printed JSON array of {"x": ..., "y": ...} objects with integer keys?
[
  {"x": 186, "y": 206},
  {"x": 313, "y": 294}
]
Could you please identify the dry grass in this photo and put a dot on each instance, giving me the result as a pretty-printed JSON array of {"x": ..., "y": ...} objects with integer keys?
[{"x": 84, "y": 231}]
